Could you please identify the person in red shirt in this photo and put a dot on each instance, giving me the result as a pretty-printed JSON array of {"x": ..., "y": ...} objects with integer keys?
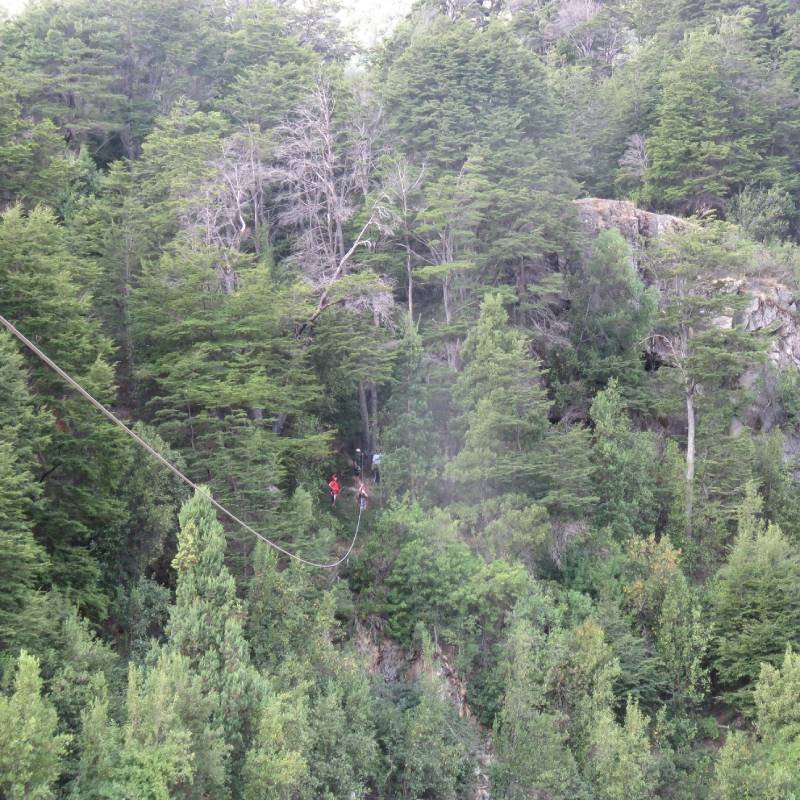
[{"x": 333, "y": 485}]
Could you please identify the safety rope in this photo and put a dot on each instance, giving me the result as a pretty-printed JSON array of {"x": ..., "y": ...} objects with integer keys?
[{"x": 168, "y": 464}]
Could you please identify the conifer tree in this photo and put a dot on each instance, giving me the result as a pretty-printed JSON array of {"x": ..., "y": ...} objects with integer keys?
[
  {"x": 532, "y": 753},
  {"x": 44, "y": 292},
  {"x": 503, "y": 408},
  {"x": 206, "y": 626},
  {"x": 611, "y": 311},
  {"x": 756, "y": 602},
  {"x": 23, "y": 562},
  {"x": 707, "y": 351},
  {"x": 622, "y": 766},
  {"x": 624, "y": 475},
  {"x": 764, "y": 763},
  {"x": 30, "y": 746},
  {"x": 409, "y": 453},
  {"x": 703, "y": 147}
]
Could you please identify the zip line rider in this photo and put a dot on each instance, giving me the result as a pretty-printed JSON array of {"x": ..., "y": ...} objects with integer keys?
[
  {"x": 362, "y": 496},
  {"x": 333, "y": 485}
]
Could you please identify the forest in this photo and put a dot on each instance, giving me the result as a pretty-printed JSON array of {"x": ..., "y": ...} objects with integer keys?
[{"x": 525, "y": 273}]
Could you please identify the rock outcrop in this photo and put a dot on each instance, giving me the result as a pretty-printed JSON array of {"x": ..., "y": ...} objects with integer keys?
[
  {"x": 772, "y": 306},
  {"x": 637, "y": 226}
]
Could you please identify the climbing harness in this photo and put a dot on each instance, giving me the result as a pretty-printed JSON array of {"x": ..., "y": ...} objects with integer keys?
[{"x": 168, "y": 464}]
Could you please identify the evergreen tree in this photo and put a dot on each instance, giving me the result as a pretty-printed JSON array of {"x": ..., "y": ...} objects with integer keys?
[
  {"x": 456, "y": 87},
  {"x": 30, "y": 747},
  {"x": 704, "y": 148},
  {"x": 505, "y": 419},
  {"x": 755, "y": 602},
  {"x": 611, "y": 312},
  {"x": 503, "y": 408},
  {"x": 206, "y": 626},
  {"x": 23, "y": 562},
  {"x": 707, "y": 351},
  {"x": 44, "y": 293},
  {"x": 532, "y": 751},
  {"x": 435, "y": 750},
  {"x": 275, "y": 767},
  {"x": 622, "y": 765},
  {"x": 409, "y": 452},
  {"x": 624, "y": 468},
  {"x": 765, "y": 764}
]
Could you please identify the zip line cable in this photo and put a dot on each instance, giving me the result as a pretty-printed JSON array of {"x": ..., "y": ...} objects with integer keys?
[{"x": 168, "y": 464}]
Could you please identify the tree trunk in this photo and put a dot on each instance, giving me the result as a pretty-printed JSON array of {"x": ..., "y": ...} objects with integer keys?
[
  {"x": 373, "y": 430},
  {"x": 690, "y": 447},
  {"x": 410, "y": 287},
  {"x": 364, "y": 407}
]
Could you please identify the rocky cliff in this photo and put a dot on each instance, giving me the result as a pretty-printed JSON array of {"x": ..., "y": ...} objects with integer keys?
[{"x": 772, "y": 307}]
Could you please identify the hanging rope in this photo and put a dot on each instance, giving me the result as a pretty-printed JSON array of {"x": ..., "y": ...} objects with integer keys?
[{"x": 168, "y": 464}]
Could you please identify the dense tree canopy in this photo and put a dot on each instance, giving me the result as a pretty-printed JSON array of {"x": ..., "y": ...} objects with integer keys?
[{"x": 446, "y": 270}]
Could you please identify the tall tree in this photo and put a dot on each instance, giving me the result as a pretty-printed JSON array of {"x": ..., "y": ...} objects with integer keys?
[
  {"x": 23, "y": 562},
  {"x": 30, "y": 747},
  {"x": 44, "y": 292},
  {"x": 206, "y": 626}
]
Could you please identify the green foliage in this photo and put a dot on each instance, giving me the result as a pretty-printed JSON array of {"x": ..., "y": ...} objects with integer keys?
[
  {"x": 206, "y": 625},
  {"x": 261, "y": 259},
  {"x": 23, "y": 561},
  {"x": 275, "y": 767},
  {"x": 532, "y": 753},
  {"x": 703, "y": 148},
  {"x": 622, "y": 765},
  {"x": 624, "y": 468},
  {"x": 765, "y": 765},
  {"x": 409, "y": 452},
  {"x": 611, "y": 311},
  {"x": 458, "y": 87},
  {"x": 507, "y": 432},
  {"x": 43, "y": 293},
  {"x": 30, "y": 747},
  {"x": 436, "y": 747},
  {"x": 755, "y": 601}
]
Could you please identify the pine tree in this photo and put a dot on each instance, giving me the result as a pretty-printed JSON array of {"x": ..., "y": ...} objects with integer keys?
[
  {"x": 756, "y": 602},
  {"x": 704, "y": 148},
  {"x": 275, "y": 766},
  {"x": 457, "y": 87},
  {"x": 30, "y": 747},
  {"x": 532, "y": 752},
  {"x": 23, "y": 562},
  {"x": 624, "y": 464},
  {"x": 622, "y": 766},
  {"x": 409, "y": 452},
  {"x": 509, "y": 444},
  {"x": 611, "y": 312},
  {"x": 44, "y": 292},
  {"x": 503, "y": 409},
  {"x": 171, "y": 743},
  {"x": 764, "y": 765},
  {"x": 707, "y": 351},
  {"x": 435, "y": 750},
  {"x": 206, "y": 626}
]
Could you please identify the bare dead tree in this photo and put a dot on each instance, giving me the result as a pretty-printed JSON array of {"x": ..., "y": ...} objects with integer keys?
[
  {"x": 227, "y": 205},
  {"x": 322, "y": 170},
  {"x": 634, "y": 161},
  {"x": 401, "y": 201},
  {"x": 571, "y": 22}
]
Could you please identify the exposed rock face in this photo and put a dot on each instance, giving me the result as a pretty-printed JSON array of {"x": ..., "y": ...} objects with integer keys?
[
  {"x": 387, "y": 658},
  {"x": 637, "y": 226},
  {"x": 772, "y": 307}
]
